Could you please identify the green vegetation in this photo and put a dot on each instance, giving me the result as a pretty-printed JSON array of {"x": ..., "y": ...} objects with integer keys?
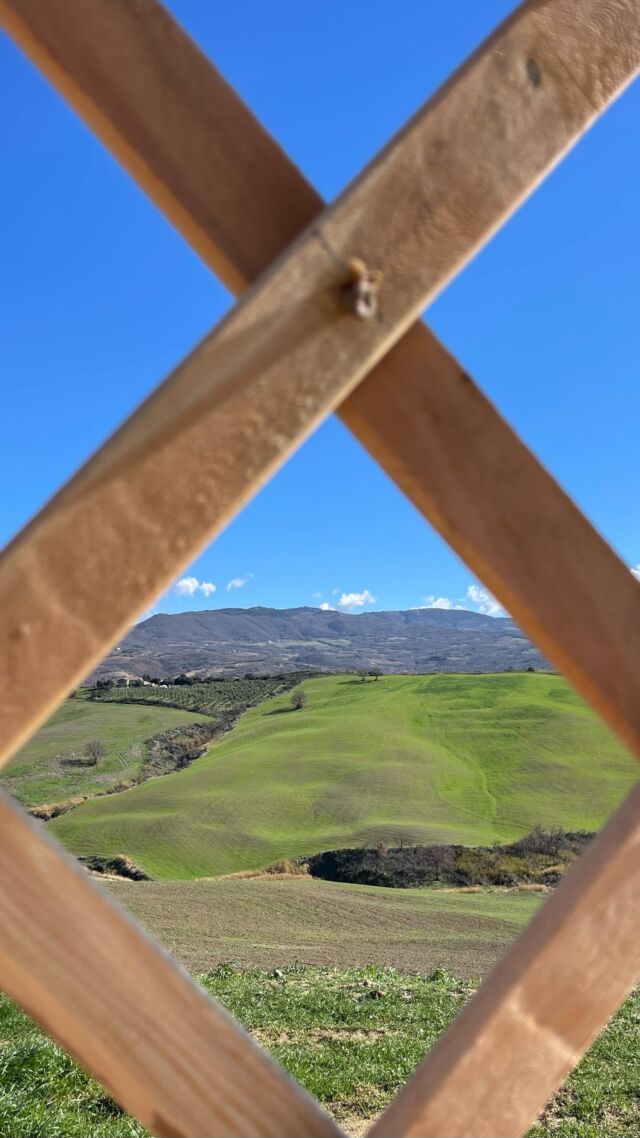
[
  {"x": 351, "y": 1037},
  {"x": 402, "y": 760},
  {"x": 211, "y": 698},
  {"x": 541, "y": 858},
  {"x": 53, "y": 765},
  {"x": 470, "y": 760},
  {"x": 269, "y": 921},
  {"x": 105, "y": 737}
]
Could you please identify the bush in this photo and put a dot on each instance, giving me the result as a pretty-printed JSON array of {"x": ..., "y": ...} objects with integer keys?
[
  {"x": 548, "y": 842},
  {"x": 540, "y": 857}
]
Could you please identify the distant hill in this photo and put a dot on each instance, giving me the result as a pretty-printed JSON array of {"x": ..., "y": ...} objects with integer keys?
[
  {"x": 261, "y": 640},
  {"x": 401, "y": 760}
]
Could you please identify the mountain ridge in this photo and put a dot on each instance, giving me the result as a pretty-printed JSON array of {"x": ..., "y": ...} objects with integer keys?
[{"x": 233, "y": 641}]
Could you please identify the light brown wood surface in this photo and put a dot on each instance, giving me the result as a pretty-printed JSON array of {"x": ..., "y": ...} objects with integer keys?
[
  {"x": 507, "y": 1051},
  {"x": 169, "y": 1054},
  {"x": 110, "y": 541}
]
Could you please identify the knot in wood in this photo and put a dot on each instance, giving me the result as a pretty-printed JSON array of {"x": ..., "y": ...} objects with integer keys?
[{"x": 361, "y": 290}]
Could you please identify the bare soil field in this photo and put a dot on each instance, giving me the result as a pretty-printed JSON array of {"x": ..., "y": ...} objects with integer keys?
[{"x": 268, "y": 922}]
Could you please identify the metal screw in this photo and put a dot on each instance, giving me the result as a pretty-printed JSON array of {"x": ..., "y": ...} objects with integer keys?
[{"x": 361, "y": 290}]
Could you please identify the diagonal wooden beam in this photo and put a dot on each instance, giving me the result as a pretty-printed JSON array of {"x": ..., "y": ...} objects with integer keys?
[
  {"x": 119, "y": 1004},
  {"x": 73, "y": 578},
  {"x": 509, "y": 1049}
]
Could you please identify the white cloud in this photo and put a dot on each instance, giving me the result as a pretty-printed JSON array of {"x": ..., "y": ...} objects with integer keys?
[
  {"x": 350, "y": 601},
  {"x": 432, "y": 602},
  {"x": 636, "y": 572},
  {"x": 476, "y": 599},
  {"x": 347, "y": 602},
  {"x": 187, "y": 586},
  {"x": 238, "y": 582},
  {"x": 484, "y": 601}
]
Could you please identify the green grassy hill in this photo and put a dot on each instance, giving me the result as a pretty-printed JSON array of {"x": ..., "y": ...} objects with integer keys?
[
  {"x": 472, "y": 759},
  {"x": 45, "y": 769}
]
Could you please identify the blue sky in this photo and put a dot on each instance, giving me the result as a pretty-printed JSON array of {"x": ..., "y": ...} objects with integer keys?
[{"x": 100, "y": 298}]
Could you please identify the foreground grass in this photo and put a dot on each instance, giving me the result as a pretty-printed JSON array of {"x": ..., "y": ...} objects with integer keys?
[
  {"x": 43, "y": 1094},
  {"x": 351, "y": 1036},
  {"x": 402, "y": 760}
]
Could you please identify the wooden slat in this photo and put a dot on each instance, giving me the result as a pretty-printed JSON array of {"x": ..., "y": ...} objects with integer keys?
[
  {"x": 508, "y": 1050},
  {"x": 109, "y": 541},
  {"x": 92, "y": 978}
]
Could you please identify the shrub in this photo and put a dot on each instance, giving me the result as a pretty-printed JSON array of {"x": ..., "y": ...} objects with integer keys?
[{"x": 540, "y": 857}]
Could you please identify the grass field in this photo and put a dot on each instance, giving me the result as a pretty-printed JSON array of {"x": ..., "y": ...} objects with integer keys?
[
  {"x": 471, "y": 759},
  {"x": 351, "y": 1037},
  {"x": 39, "y": 773},
  {"x": 270, "y": 921}
]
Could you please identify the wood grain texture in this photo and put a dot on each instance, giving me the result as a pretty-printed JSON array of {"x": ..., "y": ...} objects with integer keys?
[
  {"x": 92, "y": 978},
  {"x": 110, "y": 542},
  {"x": 507, "y": 1051}
]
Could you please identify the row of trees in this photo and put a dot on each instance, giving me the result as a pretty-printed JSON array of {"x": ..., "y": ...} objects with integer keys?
[{"x": 183, "y": 680}]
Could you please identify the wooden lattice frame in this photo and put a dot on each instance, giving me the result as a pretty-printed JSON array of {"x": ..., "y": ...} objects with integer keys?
[{"x": 291, "y": 351}]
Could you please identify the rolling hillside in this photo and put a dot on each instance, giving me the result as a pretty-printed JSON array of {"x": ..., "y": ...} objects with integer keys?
[
  {"x": 472, "y": 759},
  {"x": 46, "y": 768}
]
